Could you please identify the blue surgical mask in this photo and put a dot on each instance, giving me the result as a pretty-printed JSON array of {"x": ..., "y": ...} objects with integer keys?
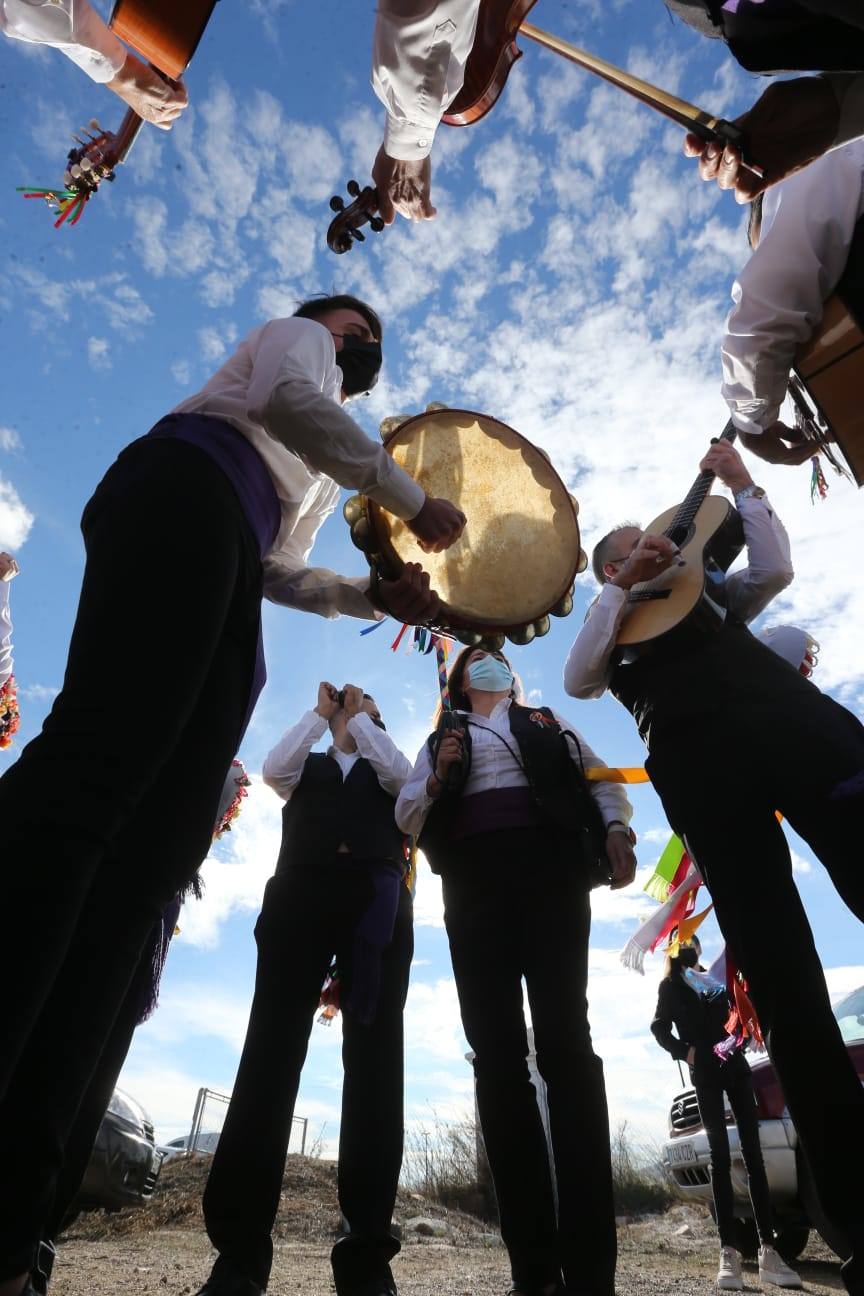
[{"x": 490, "y": 675}]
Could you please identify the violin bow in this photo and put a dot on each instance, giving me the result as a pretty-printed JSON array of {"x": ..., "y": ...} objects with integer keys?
[{"x": 678, "y": 110}]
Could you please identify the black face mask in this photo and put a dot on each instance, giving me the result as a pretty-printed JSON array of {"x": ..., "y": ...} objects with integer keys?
[
  {"x": 687, "y": 956},
  {"x": 360, "y": 363}
]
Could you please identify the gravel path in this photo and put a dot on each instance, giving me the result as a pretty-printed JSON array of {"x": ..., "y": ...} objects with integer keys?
[{"x": 655, "y": 1261}]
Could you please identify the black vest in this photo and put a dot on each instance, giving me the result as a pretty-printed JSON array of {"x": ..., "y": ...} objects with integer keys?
[
  {"x": 556, "y": 786},
  {"x": 710, "y": 680},
  {"x": 778, "y": 35},
  {"x": 326, "y": 810}
]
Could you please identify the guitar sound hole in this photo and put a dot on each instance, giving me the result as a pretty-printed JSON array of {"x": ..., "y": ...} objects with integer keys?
[{"x": 681, "y": 535}]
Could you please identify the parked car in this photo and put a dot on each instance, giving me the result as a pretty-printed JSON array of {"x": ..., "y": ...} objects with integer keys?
[
  {"x": 686, "y": 1156},
  {"x": 206, "y": 1143},
  {"x": 125, "y": 1161}
]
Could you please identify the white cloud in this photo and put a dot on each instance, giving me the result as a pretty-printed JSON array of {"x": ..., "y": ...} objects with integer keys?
[
  {"x": 181, "y": 372},
  {"x": 9, "y": 439},
  {"x": 40, "y": 692},
  {"x": 99, "y": 353},
  {"x": 15, "y": 518}
]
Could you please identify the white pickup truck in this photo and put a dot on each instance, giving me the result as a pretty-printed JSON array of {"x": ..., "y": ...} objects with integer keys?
[{"x": 686, "y": 1157}]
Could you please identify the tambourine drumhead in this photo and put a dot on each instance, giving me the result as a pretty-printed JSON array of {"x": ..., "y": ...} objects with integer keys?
[{"x": 519, "y": 553}]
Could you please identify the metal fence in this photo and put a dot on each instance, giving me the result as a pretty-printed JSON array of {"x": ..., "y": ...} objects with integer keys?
[{"x": 209, "y": 1117}]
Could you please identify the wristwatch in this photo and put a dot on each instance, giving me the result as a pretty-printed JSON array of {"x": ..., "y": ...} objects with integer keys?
[{"x": 748, "y": 492}]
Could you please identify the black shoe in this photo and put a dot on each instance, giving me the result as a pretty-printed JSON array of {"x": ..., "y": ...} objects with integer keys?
[{"x": 230, "y": 1287}]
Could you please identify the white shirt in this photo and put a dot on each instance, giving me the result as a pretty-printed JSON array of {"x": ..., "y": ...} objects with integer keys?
[
  {"x": 807, "y": 226},
  {"x": 5, "y": 633},
  {"x": 748, "y": 593},
  {"x": 418, "y": 65},
  {"x": 283, "y": 768},
  {"x": 69, "y": 25},
  {"x": 281, "y": 388},
  {"x": 493, "y": 766}
]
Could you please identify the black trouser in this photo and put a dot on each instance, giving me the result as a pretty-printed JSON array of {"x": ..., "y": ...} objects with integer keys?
[
  {"x": 516, "y": 905},
  {"x": 134, "y": 752},
  {"x": 310, "y": 914},
  {"x": 721, "y": 790},
  {"x": 711, "y": 1081}
]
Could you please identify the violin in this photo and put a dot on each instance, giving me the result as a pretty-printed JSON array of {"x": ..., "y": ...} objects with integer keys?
[
  {"x": 345, "y": 228},
  {"x": 495, "y": 51}
]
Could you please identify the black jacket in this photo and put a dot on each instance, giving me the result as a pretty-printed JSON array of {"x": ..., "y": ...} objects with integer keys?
[{"x": 700, "y": 1024}]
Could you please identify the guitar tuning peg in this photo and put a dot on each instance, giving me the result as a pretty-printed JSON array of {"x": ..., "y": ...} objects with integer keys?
[
  {"x": 358, "y": 235},
  {"x": 337, "y": 204},
  {"x": 75, "y": 171},
  {"x": 376, "y": 224},
  {"x": 93, "y": 125},
  {"x": 353, "y": 188},
  {"x": 86, "y": 164}
]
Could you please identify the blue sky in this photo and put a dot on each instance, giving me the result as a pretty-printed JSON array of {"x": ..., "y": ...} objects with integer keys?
[{"x": 573, "y": 285}]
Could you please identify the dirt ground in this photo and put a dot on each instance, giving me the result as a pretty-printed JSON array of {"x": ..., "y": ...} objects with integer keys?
[{"x": 163, "y": 1249}]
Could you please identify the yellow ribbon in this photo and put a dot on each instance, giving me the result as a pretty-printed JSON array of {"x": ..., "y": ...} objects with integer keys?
[{"x": 619, "y": 774}]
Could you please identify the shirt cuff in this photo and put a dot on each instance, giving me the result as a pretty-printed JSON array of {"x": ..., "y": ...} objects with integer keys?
[
  {"x": 749, "y": 426},
  {"x": 97, "y": 50},
  {"x": 618, "y": 827},
  {"x": 406, "y": 141},
  {"x": 399, "y": 494}
]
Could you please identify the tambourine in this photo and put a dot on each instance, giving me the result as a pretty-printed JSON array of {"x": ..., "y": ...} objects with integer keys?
[{"x": 515, "y": 563}]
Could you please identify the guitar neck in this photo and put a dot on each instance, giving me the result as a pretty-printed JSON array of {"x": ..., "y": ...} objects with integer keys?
[
  {"x": 698, "y": 492},
  {"x": 126, "y": 135}
]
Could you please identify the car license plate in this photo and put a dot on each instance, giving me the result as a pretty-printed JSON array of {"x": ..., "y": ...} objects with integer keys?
[{"x": 678, "y": 1153}]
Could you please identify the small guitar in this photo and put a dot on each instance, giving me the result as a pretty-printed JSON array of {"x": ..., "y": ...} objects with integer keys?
[
  {"x": 164, "y": 33},
  {"x": 688, "y": 600},
  {"x": 826, "y": 388}
]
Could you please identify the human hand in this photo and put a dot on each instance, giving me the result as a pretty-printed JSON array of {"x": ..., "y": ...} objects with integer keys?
[
  {"x": 621, "y": 857},
  {"x": 409, "y": 598},
  {"x": 449, "y": 753},
  {"x": 724, "y": 460},
  {"x": 772, "y": 445},
  {"x": 403, "y": 187},
  {"x": 789, "y": 126},
  {"x": 652, "y": 555},
  {"x": 438, "y": 525},
  {"x": 352, "y": 700},
  {"x": 328, "y": 701},
  {"x": 158, "y": 101},
  {"x": 8, "y": 567}
]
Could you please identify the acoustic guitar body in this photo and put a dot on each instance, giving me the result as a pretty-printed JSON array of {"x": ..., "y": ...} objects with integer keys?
[
  {"x": 164, "y": 32},
  {"x": 684, "y": 603},
  {"x": 831, "y": 367}
]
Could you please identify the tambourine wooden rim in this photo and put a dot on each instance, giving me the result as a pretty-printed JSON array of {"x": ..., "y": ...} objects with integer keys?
[{"x": 370, "y": 534}]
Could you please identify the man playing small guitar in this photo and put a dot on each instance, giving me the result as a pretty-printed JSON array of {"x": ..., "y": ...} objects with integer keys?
[{"x": 735, "y": 733}]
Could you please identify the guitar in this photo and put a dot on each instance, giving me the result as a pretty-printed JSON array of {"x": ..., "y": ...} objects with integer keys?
[
  {"x": 165, "y": 33},
  {"x": 691, "y": 600},
  {"x": 826, "y": 388}
]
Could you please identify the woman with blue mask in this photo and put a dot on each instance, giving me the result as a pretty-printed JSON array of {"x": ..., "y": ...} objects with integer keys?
[
  {"x": 500, "y": 807},
  {"x": 698, "y": 1007}
]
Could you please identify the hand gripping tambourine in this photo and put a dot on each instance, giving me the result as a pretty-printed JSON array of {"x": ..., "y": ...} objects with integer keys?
[{"x": 516, "y": 561}]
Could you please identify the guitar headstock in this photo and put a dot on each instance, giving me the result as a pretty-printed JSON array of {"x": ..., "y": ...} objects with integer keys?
[
  {"x": 92, "y": 161},
  {"x": 345, "y": 228},
  {"x": 87, "y": 165}
]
